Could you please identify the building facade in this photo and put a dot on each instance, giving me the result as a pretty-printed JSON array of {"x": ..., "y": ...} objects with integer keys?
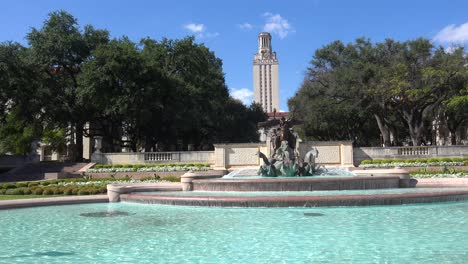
[{"x": 265, "y": 75}]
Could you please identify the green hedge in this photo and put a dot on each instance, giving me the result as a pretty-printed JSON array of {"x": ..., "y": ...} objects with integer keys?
[
  {"x": 421, "y": 160},
  {"x": 73, "y": 186},
  {"x": 56, "y": 190},
  {"x": 138, "y": 166}
]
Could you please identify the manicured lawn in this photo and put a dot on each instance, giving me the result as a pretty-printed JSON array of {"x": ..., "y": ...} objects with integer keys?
[{"x": 14, "y": 197}]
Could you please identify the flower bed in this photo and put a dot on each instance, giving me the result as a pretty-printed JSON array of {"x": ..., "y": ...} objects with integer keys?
[
  {"x": 443, "y": 173},
  {"x": 388, "y": 163},
  {"x": 78, "y": 186},
  {"x": 98, "y": 168},
  {"x": 440, "y": 175}
]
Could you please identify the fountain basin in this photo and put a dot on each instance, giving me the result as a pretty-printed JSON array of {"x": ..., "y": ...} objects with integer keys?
[
  {"x": 307, "y": 199},
  {"x": 296, "y": 184}
]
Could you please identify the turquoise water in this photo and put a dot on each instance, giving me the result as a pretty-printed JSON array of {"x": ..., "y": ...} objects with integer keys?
[
  {"x": 434, "y": 233},
  {"x": 325, "y": 176},
  {"x": 313, "y": 193}
]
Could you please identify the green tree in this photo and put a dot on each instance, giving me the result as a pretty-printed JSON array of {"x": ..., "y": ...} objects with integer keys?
[
  {"x": 59, "y": 49},
  {"x": 395, "y": 82},
  {"x": 332, "y": 102},
  {"x": 21, "y": 100}
]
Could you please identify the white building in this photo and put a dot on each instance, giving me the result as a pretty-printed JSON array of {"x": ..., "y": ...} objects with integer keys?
[{"x": 265, "y": 75}]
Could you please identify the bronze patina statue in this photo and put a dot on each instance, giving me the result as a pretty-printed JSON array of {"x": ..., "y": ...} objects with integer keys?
[{"x": 284, "y": 159}]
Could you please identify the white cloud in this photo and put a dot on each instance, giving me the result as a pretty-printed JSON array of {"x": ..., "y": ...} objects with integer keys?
[
  {"x": 276, "y": 24},
  {"x": 246, "y": 26},
  {"x": 200, "y": 30},
  {"x": 453, "y": 34},
  {"x": 243, "y": 94},
  {"x": 195, "y": 28}
]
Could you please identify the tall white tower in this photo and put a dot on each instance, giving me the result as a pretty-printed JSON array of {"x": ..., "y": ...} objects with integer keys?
[{"x": 265, "y": 75}]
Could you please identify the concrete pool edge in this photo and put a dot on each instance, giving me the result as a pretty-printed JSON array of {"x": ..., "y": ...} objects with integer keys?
[
  {"x": 51, "y": 201},
  {"x": 298, "y": 201}
]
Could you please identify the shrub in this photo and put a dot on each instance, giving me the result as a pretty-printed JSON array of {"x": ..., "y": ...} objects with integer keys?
[
  {"x": 27, "y": 190},
  {"x": 16, "y": 191},
  {"x": 171, "y": 179},
  {"x": 32, "y": 184},
  {"x": 75, "y": 190},
  {"x": 95, "y": 190},
  {"x": 83, "y": 191},
  {"x": 44, "y": 183},
  {"x": 21, "y": 184},
  {"x": 2, "y": 191},
  {"x": 68, "y": 190},
  {"x": 37, "y": 191},
  {"x": 420, "y": 161},
  {"x": 48, "y": 191},
  {"x": 8, "y": 186},
  {"x": 103, "y": 189}
]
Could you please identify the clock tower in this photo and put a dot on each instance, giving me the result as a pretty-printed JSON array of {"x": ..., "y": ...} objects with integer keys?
[{"x": 265, "y": 75}]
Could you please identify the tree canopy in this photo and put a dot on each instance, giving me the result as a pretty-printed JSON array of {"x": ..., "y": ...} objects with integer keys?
[
  {"x": 403, "y": 86},
  {"x": 151, "y": 95}
]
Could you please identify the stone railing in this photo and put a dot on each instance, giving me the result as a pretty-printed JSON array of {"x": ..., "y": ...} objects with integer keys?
[
  {"x": 154, "y": 157},
  {"x": 413, "y": 151},
  {"x": 364, "y": 153},
  {"x": 331, "y": 153},
  {"x": 162, "y": 156}
]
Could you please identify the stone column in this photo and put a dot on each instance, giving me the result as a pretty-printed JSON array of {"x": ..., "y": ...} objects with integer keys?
[
  {"x": 220, "y": 156},
  {"x": 346, "y": 149}
]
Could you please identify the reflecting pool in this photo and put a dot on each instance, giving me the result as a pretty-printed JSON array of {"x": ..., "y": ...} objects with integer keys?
[{"x": 135, "y": 233}]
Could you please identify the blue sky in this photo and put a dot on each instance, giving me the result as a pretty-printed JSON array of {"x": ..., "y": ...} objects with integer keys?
[{"x": 230, "y": 28}]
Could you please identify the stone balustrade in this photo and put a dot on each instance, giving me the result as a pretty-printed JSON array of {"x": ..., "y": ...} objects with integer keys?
[
  {"x": 331, "y": 153},
  {"x": 364, "y": 153},
  {"x": 153, "y": 157}
]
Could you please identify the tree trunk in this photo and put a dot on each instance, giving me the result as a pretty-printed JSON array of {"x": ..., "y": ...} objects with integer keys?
[
  {"x": 415, "y": 125},
  {"x": 149, "y": 143},
  {"x": 384, "y": 130},
  {"x": 415, "y": 134},
  {"x": 79, "y": 141},
  {"x": 453, "y": 138}
]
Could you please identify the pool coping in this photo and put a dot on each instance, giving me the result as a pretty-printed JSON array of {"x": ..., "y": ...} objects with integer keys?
[
  {"x": 52, "y": 201},
  {"x": 299, "y": 201}
]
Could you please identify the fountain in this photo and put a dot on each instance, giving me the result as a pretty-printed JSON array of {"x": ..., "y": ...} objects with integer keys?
[
  {"x": 285, "y": 160},
  {"x": 286, "y": 180}
]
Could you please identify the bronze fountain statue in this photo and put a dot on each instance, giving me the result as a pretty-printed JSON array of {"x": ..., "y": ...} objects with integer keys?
[{"x": 285, "y": 159}]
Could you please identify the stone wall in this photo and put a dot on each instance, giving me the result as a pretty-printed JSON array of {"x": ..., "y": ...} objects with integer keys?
[
  {"x": 154, "y": 157},
  {"x": 332, "y": 153},
  {"x": 336, "y": 153},
  {"x": 237, "y": 155},
  {"x": 363, "y": 153}
]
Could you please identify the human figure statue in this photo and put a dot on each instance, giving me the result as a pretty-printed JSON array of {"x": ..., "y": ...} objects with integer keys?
[
  {"x": 285, "y": 159},
  {"x": 273, "y": 141},
  {"x": 267, "y": 169}
]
